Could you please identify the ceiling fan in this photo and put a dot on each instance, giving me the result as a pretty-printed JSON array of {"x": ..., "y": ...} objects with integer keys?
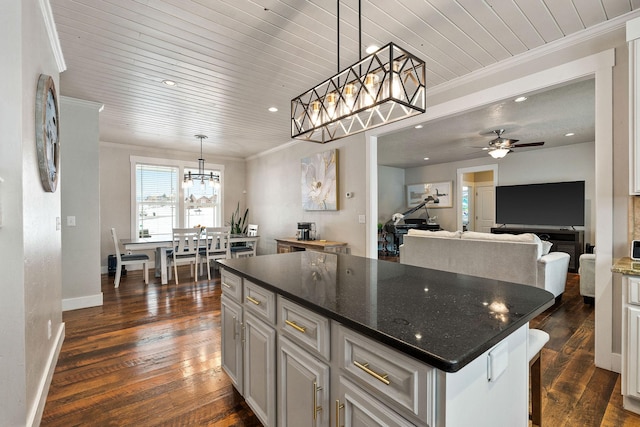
[{"x": 500, "y": 147}]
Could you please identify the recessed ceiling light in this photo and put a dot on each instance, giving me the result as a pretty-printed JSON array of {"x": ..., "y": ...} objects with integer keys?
[
  {"x": 169, "y": 83},
  {"x": 371, "y": 49},
  {"x": 418, "y": 126},
  {"x": 273, "y": 109},
  {"x": 569, "y": 134},
  {"x": 426, "y": 158},
  {"x": 520, "y": 99}
]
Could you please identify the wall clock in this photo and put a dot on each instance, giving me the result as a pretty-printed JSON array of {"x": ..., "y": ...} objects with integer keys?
[{"x": 47, "y": 131}]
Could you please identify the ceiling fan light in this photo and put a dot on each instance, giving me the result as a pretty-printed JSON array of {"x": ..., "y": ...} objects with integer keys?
[{"x": 499, "y": 153}]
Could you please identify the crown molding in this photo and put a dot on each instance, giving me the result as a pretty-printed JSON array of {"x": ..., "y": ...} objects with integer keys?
[
  {"x": 52, "y": 32},
  {"x": 82, "y": 103}
]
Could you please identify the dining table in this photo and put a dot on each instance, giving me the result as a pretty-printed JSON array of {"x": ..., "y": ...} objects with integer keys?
[{"x": 162, "y": 243}]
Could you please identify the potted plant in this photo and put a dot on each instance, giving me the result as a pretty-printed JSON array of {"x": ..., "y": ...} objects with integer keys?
[{"x": 238, "y": 222}]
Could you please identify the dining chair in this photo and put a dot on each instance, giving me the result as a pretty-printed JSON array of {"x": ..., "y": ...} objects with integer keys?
[
  {"x": 535, "y": 341},
  {"x": 128, "y": 259},
  {"x": 186, "y": 250},
  {"x": 249, "y": 249},
  {"x": 216, "y": 246}
]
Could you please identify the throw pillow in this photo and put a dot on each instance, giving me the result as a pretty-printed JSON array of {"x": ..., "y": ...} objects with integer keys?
[{"x": 546, "y": 247}]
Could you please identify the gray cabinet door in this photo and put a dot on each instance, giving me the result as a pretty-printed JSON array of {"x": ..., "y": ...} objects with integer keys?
[
  {"x": 231, "y": 326},
  {"x": 260, "y": 368},
  {"x": 303, "y": 388}
]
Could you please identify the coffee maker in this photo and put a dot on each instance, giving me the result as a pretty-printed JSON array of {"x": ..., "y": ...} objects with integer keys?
[{"x": 306, "y": 231}]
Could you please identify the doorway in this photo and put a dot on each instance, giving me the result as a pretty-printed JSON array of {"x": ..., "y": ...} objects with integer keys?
[{"x": 476, "y": 198}]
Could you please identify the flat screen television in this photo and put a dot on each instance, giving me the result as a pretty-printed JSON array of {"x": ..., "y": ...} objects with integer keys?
[{"x": 555, "y": 203}]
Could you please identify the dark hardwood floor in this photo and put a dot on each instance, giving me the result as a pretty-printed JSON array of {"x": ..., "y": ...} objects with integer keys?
[{"x": 150, "y": 356}]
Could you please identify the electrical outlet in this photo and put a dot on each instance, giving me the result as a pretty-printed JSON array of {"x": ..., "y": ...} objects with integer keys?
[
  {"x": 58, "y": 223},
  {"x": 71, "y": 221},
  {"x": 362, "y": 219}
]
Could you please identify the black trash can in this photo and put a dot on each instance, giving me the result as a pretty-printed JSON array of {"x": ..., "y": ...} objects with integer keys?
[{"x": 112, "y": 264}]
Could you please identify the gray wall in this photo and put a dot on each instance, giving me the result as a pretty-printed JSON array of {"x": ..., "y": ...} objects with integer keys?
[
  {"x": 30, "y": 291},
  {"x": 80, "y": 187},
  {"x": 275, "y": 197}
]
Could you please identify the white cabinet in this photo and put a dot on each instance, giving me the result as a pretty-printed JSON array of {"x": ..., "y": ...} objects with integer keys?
[
  {"x": 303, "y": 387},
  {"x": 231, "y": 326},
  {"x": 630, "y": 376},
  {"x": 633, "y": 40}
]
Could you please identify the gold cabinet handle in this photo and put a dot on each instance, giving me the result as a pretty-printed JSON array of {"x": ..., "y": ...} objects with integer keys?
[
  {"x": 338, "y": 407},
  {"x": 235, "y": 328},
  {"x": 295, "y": 326},
  {"x": 316, "y": 408},
  {"x": 226, "y": 285},
  {"x": 365, "y": 367},
  {"x": 253, "y": 300}
]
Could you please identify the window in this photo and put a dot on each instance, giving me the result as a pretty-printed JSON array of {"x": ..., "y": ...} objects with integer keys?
[
  {"x": 156, "y": 197},
  {"x": 160, "y": 203},
  {"x": 202, "y": 202}
]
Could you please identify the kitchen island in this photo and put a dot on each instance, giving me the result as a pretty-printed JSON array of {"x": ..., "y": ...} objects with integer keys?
[{"x": 314, "y": 339}]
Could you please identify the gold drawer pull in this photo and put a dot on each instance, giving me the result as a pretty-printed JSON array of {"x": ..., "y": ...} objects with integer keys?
[
  {"x": 253, "y": 300},
  {"x": 365, "y": 367},
  {"x": 226, "y": 285},
  {"x": 295, "y": 326},
  {"x": 338, "y": 408},
  {"x": 316, "y": 408}
]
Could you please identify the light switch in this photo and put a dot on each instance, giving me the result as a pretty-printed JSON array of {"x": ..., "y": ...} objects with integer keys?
[
  {"x": 362, "y": 219},
  {"x": 71, "y": 221}
]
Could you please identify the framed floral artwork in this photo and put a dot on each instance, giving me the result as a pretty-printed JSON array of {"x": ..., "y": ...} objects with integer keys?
[
  {"x": 319, "y": 181},
  {"x": 416, "y": 193}
]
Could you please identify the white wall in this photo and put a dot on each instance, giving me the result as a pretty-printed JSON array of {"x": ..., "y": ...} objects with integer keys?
[
  {"x": 275, "y": 196},
  {"x": 115, "y": 188},
  {"x": 30, "y": 245},
  {"x": 80, "y": 187},
  {"x": 526, "y": 167}
]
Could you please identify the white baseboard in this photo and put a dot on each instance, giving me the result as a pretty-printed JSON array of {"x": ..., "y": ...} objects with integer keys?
[
  {"x": 35, "y": 414},
  {"x": 82, "y": 302}
]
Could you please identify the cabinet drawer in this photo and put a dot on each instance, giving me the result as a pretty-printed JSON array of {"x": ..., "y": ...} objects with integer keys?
[
  {"x": 231, "y": 285},
  {"x": 260, "y": 301},
  {"x": 634, "y": 291},
  {"x": 308, "y": 329},
  {"x": 403, "y": 383}
]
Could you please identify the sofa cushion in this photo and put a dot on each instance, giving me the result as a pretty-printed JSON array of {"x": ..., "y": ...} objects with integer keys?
[
  {"x": 506, "y": 237},
  {"x": 439, "y": 233}
]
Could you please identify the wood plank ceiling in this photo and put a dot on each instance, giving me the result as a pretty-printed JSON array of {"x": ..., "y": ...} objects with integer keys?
[{"x": 233, "y": 59}]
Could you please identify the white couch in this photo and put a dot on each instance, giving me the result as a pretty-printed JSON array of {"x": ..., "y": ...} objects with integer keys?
[
  {"x": 516, "y": 258},
  {"x": 587, "y": 272}
]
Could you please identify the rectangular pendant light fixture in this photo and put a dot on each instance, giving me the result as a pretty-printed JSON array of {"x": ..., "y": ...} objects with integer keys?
[{"x": 384, "y": 87}]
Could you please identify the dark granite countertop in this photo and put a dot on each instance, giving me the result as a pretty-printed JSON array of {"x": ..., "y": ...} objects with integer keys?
[{"x": 443, "y": 319}]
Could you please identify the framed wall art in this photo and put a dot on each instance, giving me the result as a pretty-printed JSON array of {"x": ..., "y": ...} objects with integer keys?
[
  {"x": 416, "y": 193},
  {"x": 47, "y": 131},
  {"x": 319, "y": 181}
]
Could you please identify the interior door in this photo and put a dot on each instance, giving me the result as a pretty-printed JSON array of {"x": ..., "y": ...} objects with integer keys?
[{"x": 485, "y": 208}]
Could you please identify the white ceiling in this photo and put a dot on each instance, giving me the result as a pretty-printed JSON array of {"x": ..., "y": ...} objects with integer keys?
[{"x": 233, "y": 59}]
